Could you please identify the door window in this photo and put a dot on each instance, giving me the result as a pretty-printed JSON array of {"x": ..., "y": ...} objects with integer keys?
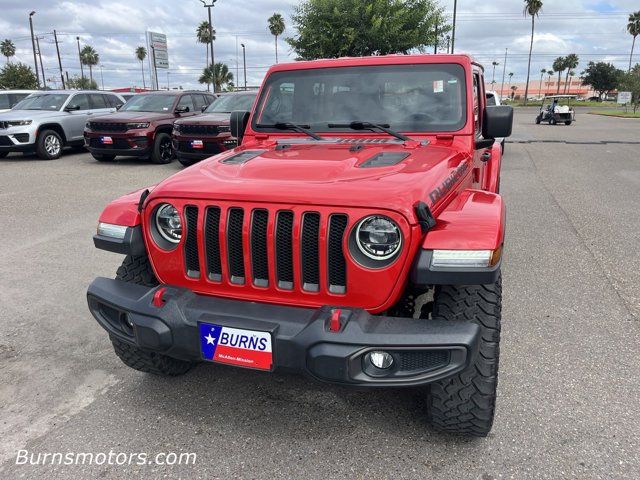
[
  {"x": 97, "y": 101},
  {"x": 81, "y": 100},
  {"x": 186, "y": 101},
  {"x": 199, "y": 102}
]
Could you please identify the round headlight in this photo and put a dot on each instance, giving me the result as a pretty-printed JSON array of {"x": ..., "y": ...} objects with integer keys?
[
  {"x": 168, "y": 223},
  {"x": 378, "y": 237}
]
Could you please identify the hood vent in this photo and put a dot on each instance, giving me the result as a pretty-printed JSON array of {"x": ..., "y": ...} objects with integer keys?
[
  {"x": 366, "y": 140},
  {"x": 242, "y": 157},
  {"x": 385, "y": 159}
]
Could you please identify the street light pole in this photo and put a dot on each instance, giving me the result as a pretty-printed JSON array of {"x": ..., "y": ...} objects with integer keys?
[
  {"x": 453, "y": 31},
  {"x": 80, "y": 58},
  {"x": 44, "y": 79},
  {"x": 55, "y": 37},
  {"x": 504, "y": 70},
  {"x": 213, "y": 62},
  {"x": 244, "y": 63},
  {"x": 101, "y": 77},
  {"x": 33, "y": 44}
]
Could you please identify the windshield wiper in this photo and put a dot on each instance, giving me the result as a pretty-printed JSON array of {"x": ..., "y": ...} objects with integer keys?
[
  {"x": 382, "y": 127},
  {"x": 294, "y": 127}
]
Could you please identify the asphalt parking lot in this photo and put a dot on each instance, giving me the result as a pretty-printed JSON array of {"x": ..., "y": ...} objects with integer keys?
[{"x": 568, "y": 392}]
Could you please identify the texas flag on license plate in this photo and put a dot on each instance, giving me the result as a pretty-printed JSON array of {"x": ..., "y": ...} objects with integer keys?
[
  {"x": 235, "y": 346},
  {"x": 106, "y": 140},
  {"x": 197, "y": 144}
]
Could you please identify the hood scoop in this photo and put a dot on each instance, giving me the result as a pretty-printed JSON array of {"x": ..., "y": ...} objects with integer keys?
[
  {"x": 384, "y": 159},
  {"x": 242, "y": 157}
]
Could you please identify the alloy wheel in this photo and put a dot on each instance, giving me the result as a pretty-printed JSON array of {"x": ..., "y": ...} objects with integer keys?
[{"x": 52, "y": 145}]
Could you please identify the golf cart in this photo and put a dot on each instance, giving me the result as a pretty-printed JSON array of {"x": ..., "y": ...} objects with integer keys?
[{"x": 557, "y": 109}]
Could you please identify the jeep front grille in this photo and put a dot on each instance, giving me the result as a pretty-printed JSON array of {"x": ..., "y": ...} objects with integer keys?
[
  {"x": 108, "y": 127},
  {"x": 255, "y": 241}
]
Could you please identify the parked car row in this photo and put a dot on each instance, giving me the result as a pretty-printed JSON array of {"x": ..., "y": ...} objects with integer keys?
[{"x": 159, "y": 126}]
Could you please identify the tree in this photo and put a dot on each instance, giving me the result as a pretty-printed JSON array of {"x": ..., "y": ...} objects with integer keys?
[
  {"x": 89, "y": 57},
  {"x": 571, "y": 61},
  {"x": 81, "y": 83},
  {"x": 7, "y": 48},
  {"x": 513, "y": 91},
  {"x": 141, "y": 54},
  {"x": 551, "y": 73},
  {"x": 339, "y": 28},
  {"x": 559, "y": 66},
  {"x": 493, "y": 75},
  {"x": 633, "y": 27},
  {"x": 276, "y": 27},
  {"x": 630, "y": 82},
  {"x": 18, "y": 76},
  {"x": 602, "y": 77},
  {"x": 531, "y": 8},
  {"x": 204, "y": 34},
  {"x": 542, "y": 72},
  {"x": 218, "y": 75}
]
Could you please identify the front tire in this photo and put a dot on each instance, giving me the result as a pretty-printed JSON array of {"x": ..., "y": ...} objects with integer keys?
[
  {"x": 138, "y": 270},
  {"x": 567, "y": 123},
  {"x": 465, "y": 403},
  {"x": 49, "y": 145},
  {"x": 162, "y": 149}
]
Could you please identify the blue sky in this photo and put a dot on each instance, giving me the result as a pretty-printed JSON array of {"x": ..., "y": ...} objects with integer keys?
[{"x": 593, "y": 30}]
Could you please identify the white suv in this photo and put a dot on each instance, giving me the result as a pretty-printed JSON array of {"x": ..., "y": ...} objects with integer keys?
[
  {"x": 46, "y": 122},
  {"x": 8, "y": 98}
]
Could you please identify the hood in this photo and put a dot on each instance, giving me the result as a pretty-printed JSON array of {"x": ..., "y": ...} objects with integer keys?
[
  {"x": 122, "y": 117},
  {"x": 206, "y": 119},
  {"x": 30, "y": 114},
  {"x": 322, "y": 174}
]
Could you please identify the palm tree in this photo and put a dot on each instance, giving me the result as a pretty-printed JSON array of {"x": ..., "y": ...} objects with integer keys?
[
  {"x": 141, "y": 54},
  {"x": 542, "y": 72},
  {"x": 551, "y": 73},
  {"x": 493, "y": 77},
  {"x": 531, "y": 8},
  {"x": 513, "y": 91},
  {"x": 276, "y": 27},
  {"x": 89, "y": 57},
  {"x": 203, "y": 35},
  {"x": 633, "y": 27},
  {"x": 7, "y": 48},
  {"x": 571, "y": 75},
  {"x": 510, "y": 76},
  {"x": 571, "y": 61},
  {"x": 559, "y": 66},
  {"x": 218, "y": 75}
]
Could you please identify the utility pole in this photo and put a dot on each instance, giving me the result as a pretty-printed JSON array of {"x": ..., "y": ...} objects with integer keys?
[
  {"x": 55, "y": 37},
  {"x": 453, "y": 32},
  {"x": 155, "y": 68},
  {"x": 244, "y": 62},
  {"x": 44, "y": 79},
  {"x": 504, "y": 70},
  {"x": 435, "y": 41},
  {"x": 213, "y": 62},
  {"x": 80, "y": 58},
  {"x": 33, "y": 45}
]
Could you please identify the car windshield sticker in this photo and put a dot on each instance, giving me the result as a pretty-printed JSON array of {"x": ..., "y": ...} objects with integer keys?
[{"x": 438, "y": 86}]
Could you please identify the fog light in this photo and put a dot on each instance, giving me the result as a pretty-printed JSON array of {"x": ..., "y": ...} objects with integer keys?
[{"x": 381, "y": 360}]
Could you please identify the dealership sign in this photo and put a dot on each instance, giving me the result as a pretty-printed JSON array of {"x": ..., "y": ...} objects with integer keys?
[
  {"x": 158, "y": 49},
  {"x": 624, "y": 98}
]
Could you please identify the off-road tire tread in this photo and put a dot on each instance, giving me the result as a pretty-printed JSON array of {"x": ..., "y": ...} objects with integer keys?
[
  {"x": 465, "y": 404},
  {"x": 137, "y": 269}
]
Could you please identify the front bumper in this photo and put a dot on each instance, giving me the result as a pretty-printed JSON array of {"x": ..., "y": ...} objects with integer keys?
[
  {"x": 131, "y": 144},
  {"x": 303, "y": 339},
  {"x": 17, "y": 139}
]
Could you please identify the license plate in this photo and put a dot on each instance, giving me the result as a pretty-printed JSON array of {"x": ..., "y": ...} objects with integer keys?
[
  {"x": 106, "y": 140},
  {"x": 235, "y": 346},
  {"x": 197, "y": 144}
]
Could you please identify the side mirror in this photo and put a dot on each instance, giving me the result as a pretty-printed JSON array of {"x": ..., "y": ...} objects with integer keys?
[
  {"x": 119, "y": 106},
  {"x": 498, "y": 121},
  {"x": 238, "y": 123},
  {"x": 204, "y": 107},
  {"x": 72, "y": 108},
  {"x": 184, "y": 109}
]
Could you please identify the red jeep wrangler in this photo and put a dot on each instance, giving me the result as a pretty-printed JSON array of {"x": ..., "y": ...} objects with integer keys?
[{"x": 355, "y": 235}]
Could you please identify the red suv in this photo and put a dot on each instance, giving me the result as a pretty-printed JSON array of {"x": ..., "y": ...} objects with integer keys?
[
  {"x": 143, "y": 126},
  {"x": 203, "y": 136},
  {"x": 354, "y": 235}
]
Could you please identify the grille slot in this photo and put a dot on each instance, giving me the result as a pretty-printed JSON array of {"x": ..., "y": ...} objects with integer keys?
[
  {"x": 234, "y": 245},
  {"x": 108, "y": 127},
  {"x": 423, "y": 360},
  {"x": 191, "y": 255},
  {"x": 310, "y": 251},
  {"x": 199, "y": 129},
  {"x": 212, "y": 243},
  {"x": 284, "y": 249},
  {"x": 337, "y": 263},
  {"x": 259, "y": 250}
]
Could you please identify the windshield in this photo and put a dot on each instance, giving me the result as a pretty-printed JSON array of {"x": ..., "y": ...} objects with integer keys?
[
  {"x": 409, "y": 98},
  {"x": 52, "y": 102},
  {"x": 149, "y": 103},
  {"x": 230, "y": 103}
]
